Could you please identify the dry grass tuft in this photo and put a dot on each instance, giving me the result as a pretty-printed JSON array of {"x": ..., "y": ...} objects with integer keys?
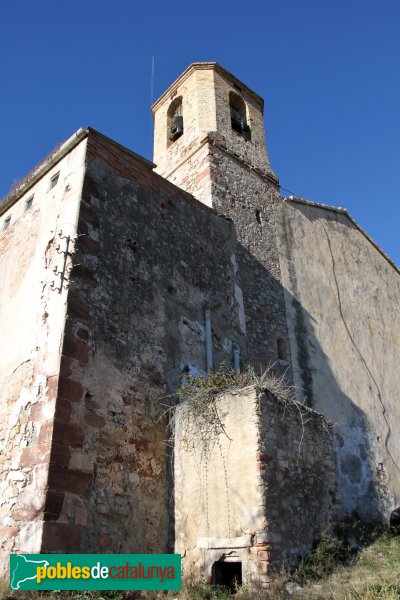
[{"x": 197, "y": 410}]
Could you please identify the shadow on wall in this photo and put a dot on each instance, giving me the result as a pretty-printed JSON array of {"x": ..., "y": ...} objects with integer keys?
[
  {"x": 362, "y": 486},
  {"x": 299, "y": 495},
  {"x": 362, "y": 489}
]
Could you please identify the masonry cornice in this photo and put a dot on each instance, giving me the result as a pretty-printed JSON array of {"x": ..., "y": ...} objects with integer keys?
[
  {"x": 203, "y": 66},
  {"x": 52, "y": 159}
]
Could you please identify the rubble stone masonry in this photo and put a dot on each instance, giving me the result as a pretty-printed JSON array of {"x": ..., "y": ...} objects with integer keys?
[
  {"x": 233, "y": 175},
  {"x": 142, "y": 278},
  {"x": 32, "y": 318}
]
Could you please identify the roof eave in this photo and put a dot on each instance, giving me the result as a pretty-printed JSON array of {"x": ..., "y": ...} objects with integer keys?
[
  {"x": 343, "y": 211},
  {"x": 196, "y": 66}
]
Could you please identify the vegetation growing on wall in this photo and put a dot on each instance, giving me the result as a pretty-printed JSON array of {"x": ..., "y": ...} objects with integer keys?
[
  {"x": 372, "y": 573},
  {"x": 199, "y": 417}
]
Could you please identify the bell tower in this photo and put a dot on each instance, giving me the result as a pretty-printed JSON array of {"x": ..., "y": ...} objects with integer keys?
[
  {"x": 206, "y": 106},
  {"x": 209, "y": 140}
]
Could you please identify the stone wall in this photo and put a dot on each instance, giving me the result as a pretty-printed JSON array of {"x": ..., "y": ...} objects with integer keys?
[
  {"x": 253, "y": 152},
  {"x": 32, "y": 316},
  {"x": 150, "y": 260},
  {"x": 251, "y": 201},
  {"x": 198, "y": 109},
  {"x": 297, "y": 461},
  {"x": 204, "y": 89},
  {"x": 342, "y": 298},
  {"x": 232, "y": 174},
  {"x": 261, "y": 493}
]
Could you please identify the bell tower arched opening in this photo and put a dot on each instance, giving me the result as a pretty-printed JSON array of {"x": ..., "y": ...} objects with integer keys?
[{"x": 238, "y": 112}]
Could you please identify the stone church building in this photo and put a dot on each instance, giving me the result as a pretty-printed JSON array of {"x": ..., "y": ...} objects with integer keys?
[{"x": 119, "y": 276}]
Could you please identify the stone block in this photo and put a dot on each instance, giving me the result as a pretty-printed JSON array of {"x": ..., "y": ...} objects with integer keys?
[
  {"x": 26, "y": 512},
  {"x": 69, "y": 480},
  {"x": 70, "y": 390},
  {"x": 61, "y": 538},
  {"x": 76, "y": 348},
  {"x": 68, "y": 434},
  {"x": 53, "y": 505},
  {"x": 34, "y": 455}
]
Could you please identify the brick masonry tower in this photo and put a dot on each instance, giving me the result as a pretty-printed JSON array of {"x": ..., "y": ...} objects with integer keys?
[{"x": 209, "y": 139}]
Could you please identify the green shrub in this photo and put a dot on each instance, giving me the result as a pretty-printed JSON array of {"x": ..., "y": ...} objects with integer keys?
[{"x": 328, "y": 553}]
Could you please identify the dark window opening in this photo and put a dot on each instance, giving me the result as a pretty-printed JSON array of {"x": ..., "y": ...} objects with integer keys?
[
  {"x": 228, "y": 574},
  {"x": 175, "y": 120},
  {"x": 54, "y": 181},
  {"x": 238, "y": 115},
  {"x": 281, "y": 349},
  {"x": 6, "y": 223},
  {"x": 28, "y": 203}
]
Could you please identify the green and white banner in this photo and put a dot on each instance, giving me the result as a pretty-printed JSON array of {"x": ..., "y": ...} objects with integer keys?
[{"x": 95, "y": 571}]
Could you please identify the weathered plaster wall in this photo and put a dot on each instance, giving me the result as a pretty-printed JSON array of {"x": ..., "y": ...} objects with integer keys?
[
  {"x": 150, "y": 260},
  {"x": 218, "y": 487},
  {"x": 261, "y": 493},
  {"x": 32, "y": 316},
  {"x": 342, "y": 299}
]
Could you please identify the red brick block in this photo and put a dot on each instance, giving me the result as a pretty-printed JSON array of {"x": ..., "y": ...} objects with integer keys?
[
  {"x": 53, "y": 505},
  {"x": 8, "y": 532},
  {"x": 76, "y": 348},
  {"x": 65, "y": 366},
  {"x": 63, "y": 410},
  {"x": 69, "y": 480},
  {"x": 83, "y": 334},
  {"x": 84, "y": 274},
  {"x": 52, "y": 384},
  {"x": 45, "y": 434},
  {"x": 83, "y": 229},
  {"x": 79, "y": 309},
  {"x": 68, "y": 434},
  {"x": 60, "y": 455},
  {"x": 69, "y": 389},
  {"x": 264, "y": 567},
  {"x": 35, "y": 455},
  {"x": 61, "y": 537},
  {"x": 86, "y": 243},
  {"x": 26, "y": 512},
  {"x": 38, "y": 412},
  {"x": 68, "y": 327},
  {"x": 89, "y": 215}
]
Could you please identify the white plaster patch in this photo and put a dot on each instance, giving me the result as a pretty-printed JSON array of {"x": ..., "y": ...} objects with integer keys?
[{"x": 239, "y": 296}]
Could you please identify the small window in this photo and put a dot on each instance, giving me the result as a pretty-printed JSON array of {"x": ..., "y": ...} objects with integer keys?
[
  {"x": 175, "y": 120},
  {"x": 6, "y": 223},
  {"x": 238, "y": 115},
  {"x": 281, "y": 349},
  {"x": 54, "y": 180},
  {"x": 28, "y": 203}
]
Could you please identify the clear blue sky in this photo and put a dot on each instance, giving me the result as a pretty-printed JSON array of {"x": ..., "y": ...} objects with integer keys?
[{"x": 329, "y": 72}]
